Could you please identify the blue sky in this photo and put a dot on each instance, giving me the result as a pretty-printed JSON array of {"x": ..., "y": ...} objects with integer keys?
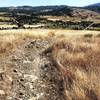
[{"x": 46, "y": 2}]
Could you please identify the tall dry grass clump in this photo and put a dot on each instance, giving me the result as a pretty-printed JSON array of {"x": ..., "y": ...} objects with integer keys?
[
  {"x": 78, "y": 61},
  {"x": 9, "y": 39}
]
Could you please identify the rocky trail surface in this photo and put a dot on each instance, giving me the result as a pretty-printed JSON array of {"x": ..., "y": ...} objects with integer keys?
[{"x": 29, "y": 74}]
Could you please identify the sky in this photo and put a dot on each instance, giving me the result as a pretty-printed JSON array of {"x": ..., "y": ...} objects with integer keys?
[{"x": 6, "y": 3}]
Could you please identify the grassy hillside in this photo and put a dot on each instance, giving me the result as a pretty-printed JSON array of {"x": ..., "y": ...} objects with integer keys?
[{"x": 49, "y": 64}]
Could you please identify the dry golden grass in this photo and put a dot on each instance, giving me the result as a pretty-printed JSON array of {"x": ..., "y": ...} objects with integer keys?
[
  {"x": 78, "y": 60},
  {"x": 10, "y": 38},
  {"x": 76, "y": 56},
  {"x": 4, "y": 18},
  {"x": 7, "y": 26}
]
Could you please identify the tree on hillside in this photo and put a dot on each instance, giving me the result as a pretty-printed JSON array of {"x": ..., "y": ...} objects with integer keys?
[{"x": 16, "y": 19}]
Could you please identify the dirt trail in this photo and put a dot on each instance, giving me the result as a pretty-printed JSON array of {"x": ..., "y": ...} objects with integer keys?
[{"x": 28, "y": 74}]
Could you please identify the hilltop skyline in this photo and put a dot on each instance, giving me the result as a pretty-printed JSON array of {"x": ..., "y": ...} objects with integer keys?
[{"x": 7, "y": 3}]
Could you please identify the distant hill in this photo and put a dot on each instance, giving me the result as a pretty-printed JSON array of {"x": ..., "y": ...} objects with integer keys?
[
  {"x": 96, "y": 4},
  {"x": 28, "y": 9},
  {"x": 61, "y": 16},
  {"x": 61, "y": 10},
  {"x": 93, "y": 7}
]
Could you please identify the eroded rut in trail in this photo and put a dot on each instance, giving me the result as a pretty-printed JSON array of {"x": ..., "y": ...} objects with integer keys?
[{"x": 28, "y": 74}]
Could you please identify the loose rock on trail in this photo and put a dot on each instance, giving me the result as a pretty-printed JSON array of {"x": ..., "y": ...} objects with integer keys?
[{"x": 29, "y": 74}]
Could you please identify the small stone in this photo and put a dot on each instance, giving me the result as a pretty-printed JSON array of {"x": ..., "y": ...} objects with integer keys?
[
  {"x": 1, "y": 71},
  {"x": 33, "y": 98},
  {"x": 14, "y": 70},
  {"x": 21, "y": 79},
  {"x": 2, "y": 92},
  {"x": 21, "y": 94}
]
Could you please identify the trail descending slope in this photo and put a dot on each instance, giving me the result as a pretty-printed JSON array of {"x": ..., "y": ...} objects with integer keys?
[
  {"x": 52, "y": 68},
  {"x": 28, "y": 74}
]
